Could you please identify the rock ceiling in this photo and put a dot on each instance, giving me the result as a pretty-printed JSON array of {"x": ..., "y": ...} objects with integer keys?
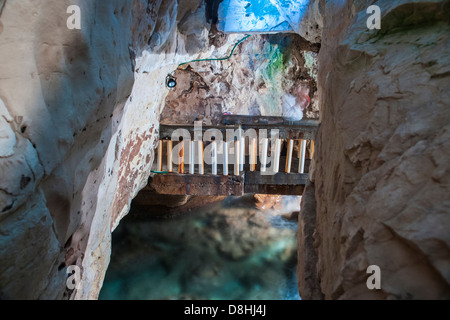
[{"x": 260, "y": 16}]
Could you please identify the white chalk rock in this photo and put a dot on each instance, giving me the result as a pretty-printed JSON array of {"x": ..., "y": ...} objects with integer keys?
[{"x": 7, "y": 135}]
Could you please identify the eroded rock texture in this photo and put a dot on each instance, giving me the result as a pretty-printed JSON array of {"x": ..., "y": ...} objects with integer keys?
[
  {"x": 79, "y": 114},
  {"x": 381, "y": 169},
  {"x": 264, "y": 77}
]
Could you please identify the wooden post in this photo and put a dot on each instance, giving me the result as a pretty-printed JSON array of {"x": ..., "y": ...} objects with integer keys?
[
  {"x": 265, "y": 146},
  {"x": 253, "y": 152},
  {"x": 192, "y": 157},
  {"x": 237, "y": 148},
  {"x": 242, "y": 154},
  {"x": 160, "y": 151},
  {"x": 312, "y": 149},
  {"x": 201, "y": 164},
  {"x": 214, "y": 157},
  {"x": 169, "y": 156},
  {"x": 276, "y": 156},
  {"x": 301, "y": 156},
  {"x": 289, "y": 156},
  {"x": 225, "y": 158},
  {"x": 181, "y": 157}
]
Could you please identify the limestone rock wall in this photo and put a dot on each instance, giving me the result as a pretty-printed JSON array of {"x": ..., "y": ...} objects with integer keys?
[
  {"x": 79, "y": 120},
  {"x": 381, "y": 171},
  {"x": 79, "y": 113},
  {"x": 263, "y": 77}
]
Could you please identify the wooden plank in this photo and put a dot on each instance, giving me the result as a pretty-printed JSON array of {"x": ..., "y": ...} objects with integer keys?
[
  {"x": 247, "y": 120},
  {"x": 280, "y": 183},
  {"x": 280, "y": 178},
  {"x": 218, "y": 185},
  {"x": 287, "y": 130},
  {"x": 266, "y": 120},
  {"x": 274, "y": 189},
  {"x": 196, "y": 184}
]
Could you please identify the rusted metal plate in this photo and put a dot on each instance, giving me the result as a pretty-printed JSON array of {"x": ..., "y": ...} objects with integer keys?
[{"x": 195, "y": 184}]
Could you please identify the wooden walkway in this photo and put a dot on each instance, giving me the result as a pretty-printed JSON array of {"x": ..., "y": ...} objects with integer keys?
[{"x": 244, "y": 164}]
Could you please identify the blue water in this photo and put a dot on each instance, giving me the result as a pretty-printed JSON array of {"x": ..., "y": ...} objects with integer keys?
[{"x": 220, "y": 252}]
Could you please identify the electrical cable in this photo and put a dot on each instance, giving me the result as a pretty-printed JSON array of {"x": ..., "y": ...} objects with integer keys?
[{"x": 218, "y": 59}]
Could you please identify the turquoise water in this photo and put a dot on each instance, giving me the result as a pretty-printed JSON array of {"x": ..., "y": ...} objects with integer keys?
[{"x": 219, "y": 252}]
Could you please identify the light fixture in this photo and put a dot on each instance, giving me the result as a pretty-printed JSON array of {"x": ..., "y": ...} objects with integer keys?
[{"x": 171, "y": 81}]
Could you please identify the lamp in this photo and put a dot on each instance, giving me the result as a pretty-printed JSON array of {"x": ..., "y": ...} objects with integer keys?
[{"x": 171, "y": 82}]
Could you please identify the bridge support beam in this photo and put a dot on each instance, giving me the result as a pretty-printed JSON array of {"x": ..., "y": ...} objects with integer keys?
[
  {"x": 280, "y": 183},
  {"x": 197, "y": 184},
  {"x": 220, "y": 185}
]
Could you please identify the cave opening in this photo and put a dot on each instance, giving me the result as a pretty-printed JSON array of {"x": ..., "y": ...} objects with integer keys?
[
  {"x": 186, "y": 245},
  {"x": 220, "y": 247}
]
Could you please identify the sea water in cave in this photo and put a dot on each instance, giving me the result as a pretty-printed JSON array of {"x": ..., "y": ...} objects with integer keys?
[{"x": 232, "y": 249}]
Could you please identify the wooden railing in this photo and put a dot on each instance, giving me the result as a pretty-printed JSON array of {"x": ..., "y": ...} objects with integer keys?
[{"x": 242, "y": 155}]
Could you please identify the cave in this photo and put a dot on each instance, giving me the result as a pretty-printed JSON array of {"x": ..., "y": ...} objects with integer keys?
[
  {"x": 324, "y": 125},
  {"x": 217, "y": 240}
]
